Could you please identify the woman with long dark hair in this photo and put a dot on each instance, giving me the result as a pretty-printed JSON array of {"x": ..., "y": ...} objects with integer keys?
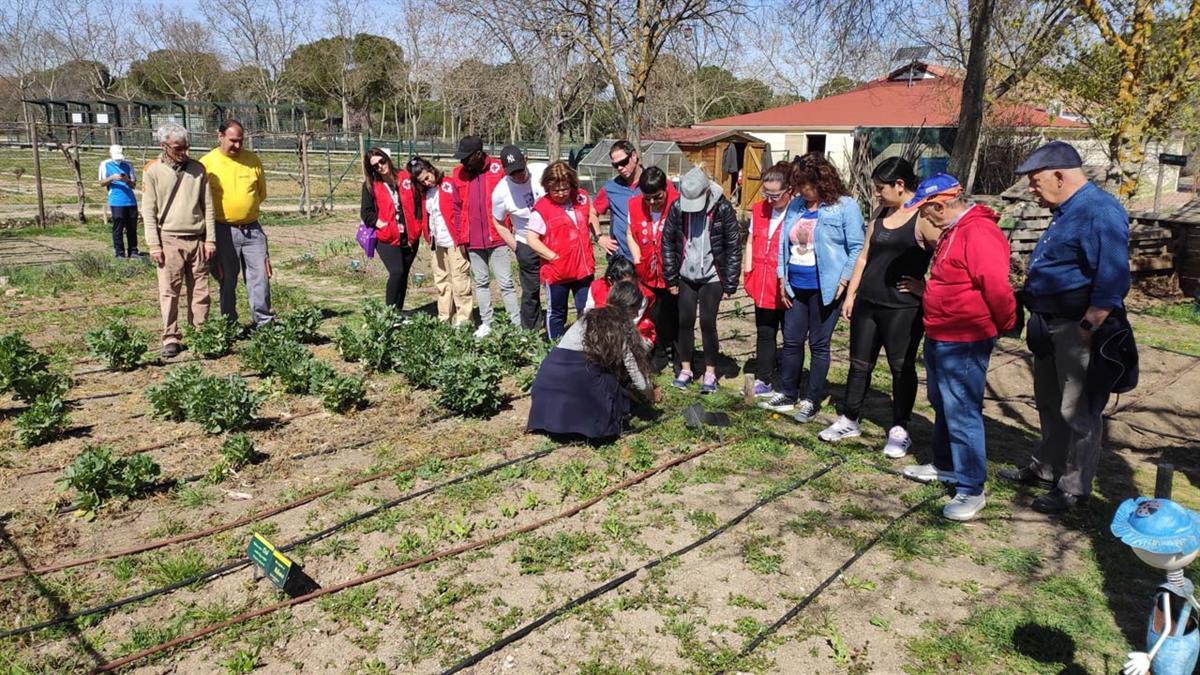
[
  {"x": 618, "y": 270},
  {"x": 433, "y": 204},
  {"x": 561, "y": 230},
  {"x": 581, "y": 386},
  {"x": 883, "y": 304},
  {"x": 759, "y": 264},
  {"x": 822, "y": 235},
  {"x": 397, "y": 237}
]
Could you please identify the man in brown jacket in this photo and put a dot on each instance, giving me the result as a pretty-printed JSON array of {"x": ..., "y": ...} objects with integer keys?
[{"x": 177, "y": 208}]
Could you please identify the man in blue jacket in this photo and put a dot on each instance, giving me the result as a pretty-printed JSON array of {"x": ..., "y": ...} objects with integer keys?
[{"x": 1078, "y": 276}]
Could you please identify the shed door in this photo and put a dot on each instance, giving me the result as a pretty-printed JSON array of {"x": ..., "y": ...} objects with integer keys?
[{"x": 752, "y": 181}]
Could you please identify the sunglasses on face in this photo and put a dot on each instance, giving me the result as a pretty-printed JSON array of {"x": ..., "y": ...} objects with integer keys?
[
  {"x": 772, "y": 196},
  {"x": 377, "y": 161},
  {"x": 621, "y": 163}
]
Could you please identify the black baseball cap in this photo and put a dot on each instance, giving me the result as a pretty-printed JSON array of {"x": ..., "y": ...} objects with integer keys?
[
  {"x": 1053, "y": 155},
  {"x": 513, "y": 159},
  {"x": 468, "y": 145}
]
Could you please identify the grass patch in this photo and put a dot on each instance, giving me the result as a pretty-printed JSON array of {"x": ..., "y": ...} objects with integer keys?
[
  {"x": 174, "y": 568},
  {"x": 758, "y": 555},
  {"x": 536, "y": 554}
]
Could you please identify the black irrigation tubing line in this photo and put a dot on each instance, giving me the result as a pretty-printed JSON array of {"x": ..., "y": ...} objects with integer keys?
[
  {"x": 621, "y": 580},
  {"x": 242, "y": 562},
  {"x": 411, "y": 564},
  {"x": 808, "y": 599}
]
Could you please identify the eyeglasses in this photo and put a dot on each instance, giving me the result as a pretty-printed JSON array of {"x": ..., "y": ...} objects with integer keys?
[
  {"x": 620, "y": 163},
  {"x": 377, "y": 161},
  {"x": 558, "y": 189},
  {"x": 772, "y": 196}
]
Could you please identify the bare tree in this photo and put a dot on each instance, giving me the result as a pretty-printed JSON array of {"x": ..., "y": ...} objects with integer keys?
[
  {"x": 28, "y": 49},
  {"x": 260, "y": 34},
  {"x": 94, "y": 34},
  {"x": 177, "y": 49}
]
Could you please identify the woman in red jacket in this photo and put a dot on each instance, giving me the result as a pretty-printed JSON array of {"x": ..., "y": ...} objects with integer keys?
[
  {"x": 561, "y": 231},
  {"x": 647, "y": 215},
  {"x": 434, "y": 206},
  {"x": 397, "y": 238},
  {"x": 759, "y": 264}
]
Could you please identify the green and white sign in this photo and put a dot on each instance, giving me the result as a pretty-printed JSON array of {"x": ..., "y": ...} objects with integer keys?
[{"x": 274, "y": 565}]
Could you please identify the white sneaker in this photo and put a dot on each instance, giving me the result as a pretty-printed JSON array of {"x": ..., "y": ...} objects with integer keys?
[
  {"x": 844, "y": 427},
  {"x": 964, "y": 507},
  {"x": 898, "y": 443},
  {"x": 927, "y": 473},
  {"x": 484, "y": 330}
]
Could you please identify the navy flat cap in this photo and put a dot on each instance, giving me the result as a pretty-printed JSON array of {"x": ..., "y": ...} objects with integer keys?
[{"x": 1053, "y": 155}]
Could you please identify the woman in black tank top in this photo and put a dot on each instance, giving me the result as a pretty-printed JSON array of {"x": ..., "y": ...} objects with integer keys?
[{"x": 883, "y": 305}]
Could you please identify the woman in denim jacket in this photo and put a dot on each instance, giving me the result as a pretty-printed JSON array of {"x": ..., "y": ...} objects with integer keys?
[{"x": 823, "y": 233}]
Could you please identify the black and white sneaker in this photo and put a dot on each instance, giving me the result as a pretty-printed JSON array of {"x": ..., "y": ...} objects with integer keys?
[
  {"x": 806, "y": 410},
  {"x": 778, "y": 403}
]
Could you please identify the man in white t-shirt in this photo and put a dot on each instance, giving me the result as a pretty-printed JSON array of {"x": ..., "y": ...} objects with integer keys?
[{"x": 512, "y": 203}]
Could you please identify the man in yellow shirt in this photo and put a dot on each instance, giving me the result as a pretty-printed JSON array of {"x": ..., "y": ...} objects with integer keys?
[{"x": 238, "y": 188}]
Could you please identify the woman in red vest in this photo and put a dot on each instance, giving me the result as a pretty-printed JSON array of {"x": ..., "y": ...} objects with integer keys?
[
  {"x": 759, "y": 265},
  {"x": 434, "y": 207},
  {"x": 397, "y": 237},
  {"x": 561, "y": 231},
  {"x": 647, "y": 215},
  {"x": 620, "y": 269}
]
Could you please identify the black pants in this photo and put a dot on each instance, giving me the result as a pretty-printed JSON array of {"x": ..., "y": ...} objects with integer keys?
[
  {"x": 665, "y": 315},
  {"x": 399, "y": 261},
  {"x": 766, "y": 325},
  {"x": 124, "y": 228},
  {"x": 529, "y": 269},
  {"x": 899, "y": 332},
  {"x": 706, "y": 297}
]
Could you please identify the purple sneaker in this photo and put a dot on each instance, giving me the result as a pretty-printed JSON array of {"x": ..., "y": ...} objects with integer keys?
[
  {"x": 709, "y": 385},
  {"x": 683, "y": 379},
  {"x": 763, "y": 390}
]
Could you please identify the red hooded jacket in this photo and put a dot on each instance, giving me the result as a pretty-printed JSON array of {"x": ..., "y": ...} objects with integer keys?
[
  {"x": 493, "y": 173},
  {"x": 649, "y": 239},
  {"x": 598, "y": 292},
  {"x": 419, "y": 219},
  {"x": 968, "y": 296},
  {"x": 570, "y": 240}
]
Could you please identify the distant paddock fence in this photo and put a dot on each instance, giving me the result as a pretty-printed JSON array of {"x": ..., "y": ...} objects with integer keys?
[{"x": 308, "y": 172}]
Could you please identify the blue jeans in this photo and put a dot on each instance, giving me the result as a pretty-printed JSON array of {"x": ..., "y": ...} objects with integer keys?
[
  {"x": 807, "y": 320},
  {"x": 556, "y": 323},
  {"x": 956, "y": 374}
]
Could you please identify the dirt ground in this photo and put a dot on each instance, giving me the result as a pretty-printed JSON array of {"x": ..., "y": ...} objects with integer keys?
[{"x": 1014, "y": 591}]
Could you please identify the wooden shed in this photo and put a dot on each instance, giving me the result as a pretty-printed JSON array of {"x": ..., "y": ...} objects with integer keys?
[{"x": 708, "y": 148}]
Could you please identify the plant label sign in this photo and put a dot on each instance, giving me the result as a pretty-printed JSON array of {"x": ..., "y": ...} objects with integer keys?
[
  {"x": 274, "y": 565},
  {"x": 1172, "y": 160}
]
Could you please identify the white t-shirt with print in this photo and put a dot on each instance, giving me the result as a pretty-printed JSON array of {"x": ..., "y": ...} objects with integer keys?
[{"x": 515, "y": 201}]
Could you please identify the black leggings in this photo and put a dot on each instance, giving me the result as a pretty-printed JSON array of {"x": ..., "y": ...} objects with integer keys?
[
  {"x": 708, "y": 297},
  {"x": 398, "y": 261},
  {"x": 899, "y": 332},
  {"x": 766, "y": 324}
]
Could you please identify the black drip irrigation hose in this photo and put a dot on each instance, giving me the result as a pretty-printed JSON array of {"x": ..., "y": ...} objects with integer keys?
[
  {"x": 808, "y": 599},
  {"x": 242, "y": 562},
  {"x": 619, "y": 581}
]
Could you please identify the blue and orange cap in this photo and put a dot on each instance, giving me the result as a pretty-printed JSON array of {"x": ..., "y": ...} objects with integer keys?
[{"x": 939, "y": 187}]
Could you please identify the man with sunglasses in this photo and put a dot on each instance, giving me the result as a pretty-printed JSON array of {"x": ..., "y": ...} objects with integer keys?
[
  {"x": 475, "y": 179},
  {"x": 614, "y": 197}
]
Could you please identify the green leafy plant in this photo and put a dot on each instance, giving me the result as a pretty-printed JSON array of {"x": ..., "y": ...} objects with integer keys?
[
  {"x": 470, "y": 385},
  {"x": 25, "y": 372},
  {"x": 237, "y": 451},
  {"x": 216, "y": 403},
  {"x": 118, "y": 345},
  {"x": 97, "y": 477},
  {"x": 169, "y": 399},
  {"x": 223, "y": 404},
  {"x": 300, "y": 324},
  {"x": 348, "y": 342},
  {"x": 342, "y": 393},
  {"x": 214, "y": 338},
  {"x": 515, "y": 347},
  {"x": 271, "y": 350},
  {"x": 44, "y": 420}
]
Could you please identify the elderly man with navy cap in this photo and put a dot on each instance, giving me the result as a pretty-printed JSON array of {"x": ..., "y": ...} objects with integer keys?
[
  {"x": 1078, "y": 277},
  {"x": 967, "y": 302}
]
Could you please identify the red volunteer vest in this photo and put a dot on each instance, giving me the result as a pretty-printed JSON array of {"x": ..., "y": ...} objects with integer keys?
[
  {"x": 417, "y": 224},
  {"x": 385, "y": 210},
  {"x": 645, "y": 325},
  {"x": 493, "y": 173},
  {"x": 762, "y": 282},
  {"x": 648, "y": 236},
  {"x": 570, "y": 240}
]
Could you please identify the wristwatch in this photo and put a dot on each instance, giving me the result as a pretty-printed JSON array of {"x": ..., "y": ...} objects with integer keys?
[
  {"x": 1087, "y": 325},
  {"x": 595, "y": 238}
]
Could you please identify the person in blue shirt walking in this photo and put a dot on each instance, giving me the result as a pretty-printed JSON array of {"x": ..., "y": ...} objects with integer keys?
[
  {"x": 117, "y": 176},
  {"x": 823, "y": 232},
  {"x": 1077, "y": 280}
]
